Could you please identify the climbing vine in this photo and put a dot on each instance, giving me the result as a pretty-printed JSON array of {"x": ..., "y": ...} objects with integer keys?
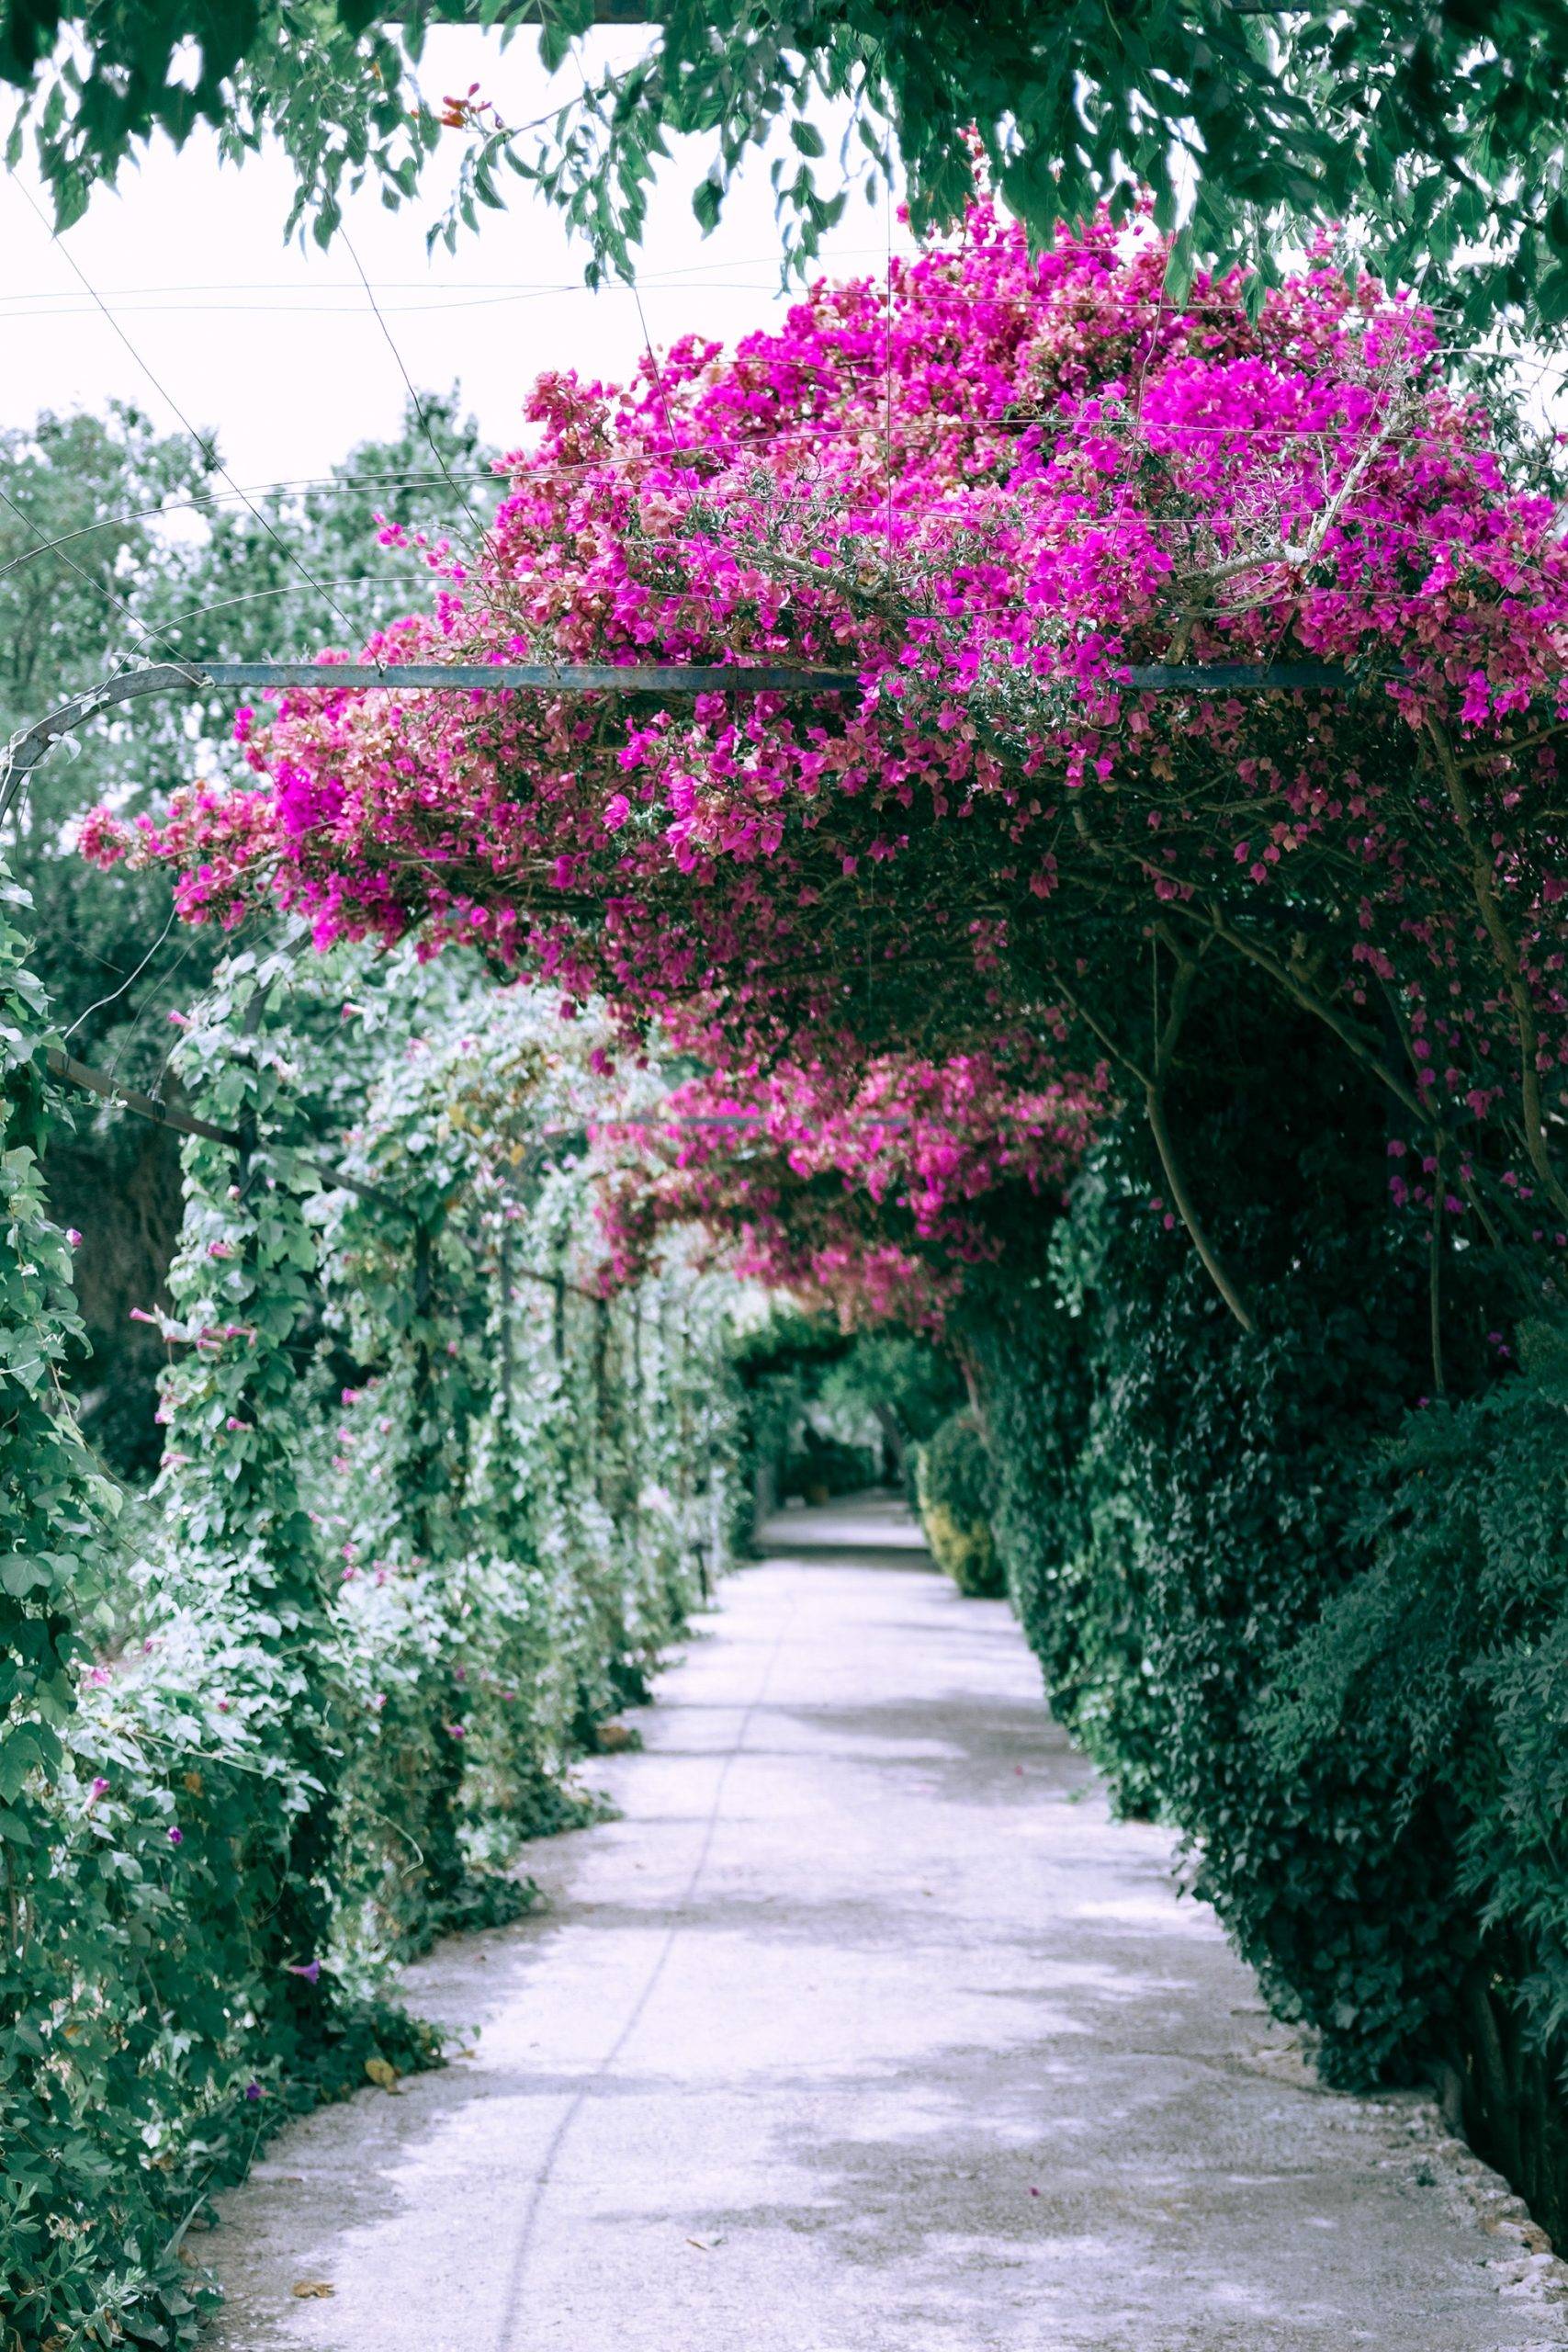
[{"x": 411, "y": 1542}]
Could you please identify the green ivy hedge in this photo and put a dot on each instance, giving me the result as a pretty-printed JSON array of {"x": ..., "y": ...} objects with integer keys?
[
  {"x": 1306, "y": 1610},
  {"x": 952, "y": 1484}
]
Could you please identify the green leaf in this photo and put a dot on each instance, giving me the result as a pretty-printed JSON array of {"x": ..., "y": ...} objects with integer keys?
[
  {"x": 22, "y": 1574},
  {"x": 707, "y": 200},
  {"x": 25, "y": 1749}
]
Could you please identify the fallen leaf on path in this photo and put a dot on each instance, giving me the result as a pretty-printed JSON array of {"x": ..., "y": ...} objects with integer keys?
[
  {"x": 706, "y": 2246},
  {"x": 309, "y": 2288},
  {"x": 381, "y": 2071}
]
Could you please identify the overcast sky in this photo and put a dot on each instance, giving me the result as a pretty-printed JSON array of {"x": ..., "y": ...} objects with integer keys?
[{"x": 278, "y": 349}]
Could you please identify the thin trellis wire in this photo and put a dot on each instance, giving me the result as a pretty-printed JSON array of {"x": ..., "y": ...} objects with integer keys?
[
  {"x": 206, "y": 501},
  {"x": 74, "y": 266}
]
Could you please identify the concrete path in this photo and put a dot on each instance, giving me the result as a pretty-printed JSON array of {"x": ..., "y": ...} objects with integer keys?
[{"x": 862, "y": 2030}]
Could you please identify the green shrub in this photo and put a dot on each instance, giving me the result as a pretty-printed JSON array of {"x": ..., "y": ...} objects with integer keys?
[
  {"x": 953, "y": 1484},
  {"x": 1072, "y": 1483},
  {"x": 1201, "y": 1489}
]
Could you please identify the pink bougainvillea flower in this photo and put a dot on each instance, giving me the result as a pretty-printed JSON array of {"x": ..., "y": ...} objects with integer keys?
[{"x": 902, "y": 917}]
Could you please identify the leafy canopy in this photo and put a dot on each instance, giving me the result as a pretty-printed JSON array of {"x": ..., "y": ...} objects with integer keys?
[{"x": 1437, "y": 123}]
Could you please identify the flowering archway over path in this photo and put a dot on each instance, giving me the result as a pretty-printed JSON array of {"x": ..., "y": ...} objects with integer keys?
[{"x": 988, "y": 873}]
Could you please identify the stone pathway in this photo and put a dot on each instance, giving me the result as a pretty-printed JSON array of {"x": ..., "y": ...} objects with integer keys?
[{"x": 864, "y": 2029}]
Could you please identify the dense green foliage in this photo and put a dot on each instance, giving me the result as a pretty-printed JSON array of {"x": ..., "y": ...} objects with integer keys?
[
  {"x": 426, "y": 1518},
  {"x": 826, "y": 1412},
  {"x": 1294, "y": 1601},
  {"x": 953, "y": 1486},
  {"x": 1443, "y": 1668},
  {"x": 1439, "y": 125},
  {"x": 1072, "y": 1556},
  {"x": 899, "y": 1385}
]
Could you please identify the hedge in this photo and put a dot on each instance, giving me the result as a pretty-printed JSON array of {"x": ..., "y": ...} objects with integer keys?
[
  {"x": 952, "y": 1482},
  {"x": 1306, "y": 1610}
]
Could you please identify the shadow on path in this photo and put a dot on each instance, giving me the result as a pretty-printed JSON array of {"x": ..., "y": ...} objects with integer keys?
[{"x": 864, "y": 2029}]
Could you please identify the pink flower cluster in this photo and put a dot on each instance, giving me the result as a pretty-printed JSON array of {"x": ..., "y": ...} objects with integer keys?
[
  {"x": 983, "y": 492},
  {"x": 865, "y": 1189}
]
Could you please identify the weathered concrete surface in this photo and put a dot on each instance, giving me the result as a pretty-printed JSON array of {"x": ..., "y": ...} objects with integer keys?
[{"x": 863, "y": 2030}]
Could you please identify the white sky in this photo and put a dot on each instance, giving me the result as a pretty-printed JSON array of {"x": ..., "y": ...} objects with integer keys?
[{"x": 277, "y": 349}]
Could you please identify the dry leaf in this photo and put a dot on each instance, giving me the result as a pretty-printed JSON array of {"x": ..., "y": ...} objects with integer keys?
[
  {"x": 312, "y": 2289},
  {"x": 382, "y": 2072},
  {"x": 611, "y": 1738}
]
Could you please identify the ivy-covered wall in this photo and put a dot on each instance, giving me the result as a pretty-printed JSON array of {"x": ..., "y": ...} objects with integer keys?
[{"x": 429, "y": 1510}]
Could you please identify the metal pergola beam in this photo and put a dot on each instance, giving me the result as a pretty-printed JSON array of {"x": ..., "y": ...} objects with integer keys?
[{"x": 28, "y": 748}]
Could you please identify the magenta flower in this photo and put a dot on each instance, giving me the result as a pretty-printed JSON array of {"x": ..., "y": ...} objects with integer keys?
[
  {"x": 72, "y": 1235},
  {"x": 176, "y": 1837},
  {"x": 309, "y": 1970},
  {"x": 1030, "y": 516}
]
